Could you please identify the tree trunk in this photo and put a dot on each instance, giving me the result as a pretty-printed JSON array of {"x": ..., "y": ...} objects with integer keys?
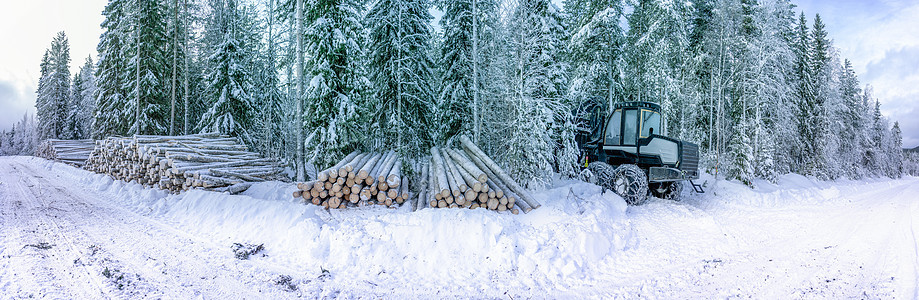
[{"x": 301, "y": 168}]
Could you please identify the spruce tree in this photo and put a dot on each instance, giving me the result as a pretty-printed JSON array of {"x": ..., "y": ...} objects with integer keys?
[
  {"x": 467, "y": 25},
  {"x": 110, "y": 116},
  {"x": 75, "y": 107},
  {"x": 229, "y": 84},
  {"x": 147, "y": 73},
  {"x": 87, "y": 100},
  {"x": 400, "y": 70},
  {"x": 595, "y": 50},
  {"x": 53, "y": 93},
  {"x": 334, "y": 72},
  {"x": 896, "y": 151}
]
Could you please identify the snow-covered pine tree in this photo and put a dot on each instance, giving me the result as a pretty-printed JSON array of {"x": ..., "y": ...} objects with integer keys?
[
  {"x": 805, "y": 150},
  {"x": 53, "y": 94},
  {"x": 594, "y": 50},
  {"x": 467, "y": 25},
  {"x": 81, "y": 104},
  {"x": 692, "y": 122},
  {"x": 335, "y": 78},
  {"x": 231, "y": 108},
  {"x": 59, "y": 85},
  {"x": 44, "y": 108},
  {"x": 826, "y": 102},
  {"x": 853, "y": 121},
  {"x": 895, "y": 151},
  {"x": 22, "y": 139},
  {"x": 761, "y": 88},
  {"x": 744, "y": 31},
  {"x": 535, "y": 80},
  {"x": 9, "y": 144},
  {"x": 400, "y": 70},
  {"x": 771, "y": 88},
  {"x": 720, "y": 46},
  {"x": 186, "y": 101},
  {"x": 74, "y": 107},
  {"x": 655, "y": 53},
  {"x": 87, "y": 99},
  {"x": 109, "y": 116},
  {"x": 876, "y": 156},
  {"x": 147, "y": 72},
  {"x": 782, "y": 104},
  {"x": 4, "y": 142},
  {"x": 271, "y": 123},
  {"x": 813, "y": 62}
]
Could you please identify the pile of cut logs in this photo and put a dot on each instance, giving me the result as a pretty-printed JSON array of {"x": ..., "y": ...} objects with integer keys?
[
  {"x": 361, "y": 179},
  {"x": 178, "y": 163},
  {"x": 74, "y": 152},
  {"x": 452, "y": 178},
  {"x": 470, "y": 179}
]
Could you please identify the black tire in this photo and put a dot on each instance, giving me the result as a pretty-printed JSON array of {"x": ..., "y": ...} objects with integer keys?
[
  {"x": 601, "y": 174},
  {"x": 631, "y": 183}
]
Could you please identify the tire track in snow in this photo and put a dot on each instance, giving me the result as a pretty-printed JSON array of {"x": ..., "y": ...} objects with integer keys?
[
  {"x": 29, "y": 217},
  {"x": 159, "y": 260}
]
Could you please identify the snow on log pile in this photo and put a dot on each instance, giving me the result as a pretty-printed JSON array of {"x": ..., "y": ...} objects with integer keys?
[
  {"x": 360, "y": 179},
  {"x": 470, "y": 179},
  {"x": 179, "y": 163},
  {"x": 452, "y": 179},
  {"x": 74, "y": 152}
]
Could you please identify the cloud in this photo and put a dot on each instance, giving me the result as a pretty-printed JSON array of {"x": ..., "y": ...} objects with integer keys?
[{"x": 13, "y": 103}]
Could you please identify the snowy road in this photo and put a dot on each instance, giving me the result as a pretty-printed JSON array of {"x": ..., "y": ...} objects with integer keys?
[
  {"x": 60, "y": 241},
  {"x": 830, "y": 242},
  {"x": 67, "y": 233}
]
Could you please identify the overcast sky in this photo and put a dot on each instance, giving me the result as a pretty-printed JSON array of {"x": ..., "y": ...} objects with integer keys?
[
  {"x": 880, "y": 37},
  {"x": 26, "y": 30}
]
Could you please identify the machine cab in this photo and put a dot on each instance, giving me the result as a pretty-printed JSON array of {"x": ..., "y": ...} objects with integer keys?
[
  {"x": 634, "y": 134},
  {"x": 631, "y": 121}
]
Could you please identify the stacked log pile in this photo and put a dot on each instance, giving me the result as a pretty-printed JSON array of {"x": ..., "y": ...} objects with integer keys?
[
  {"x": 360, "y": 179},
  {"x": 451, "y": 179},
  {"x": 74, "y": 152},
  {"x": 470, "y": 179},
  {"x": 178, "y": 163}
]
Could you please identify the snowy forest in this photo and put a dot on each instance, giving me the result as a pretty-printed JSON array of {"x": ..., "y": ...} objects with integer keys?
[{"x": 758, "y": 86}]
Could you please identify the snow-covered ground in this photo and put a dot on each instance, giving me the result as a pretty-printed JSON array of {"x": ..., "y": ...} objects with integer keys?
[{"x": 69, "y": 233}]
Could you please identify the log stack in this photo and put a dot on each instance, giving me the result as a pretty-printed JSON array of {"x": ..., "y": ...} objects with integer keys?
[
  {"x": 470, "y": 179},
  {"x": 449, "y": 178},
  {"x": 178, "y": 163},
  {"x": 74, "y": 152},
  {"x": 360, "y": 179}
]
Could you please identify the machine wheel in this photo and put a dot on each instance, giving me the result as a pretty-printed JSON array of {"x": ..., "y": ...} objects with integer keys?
[
  {"x": 631, "y": 183},
  {"x": 601, "y": 174},
  {"x": 667, "y": 190}
]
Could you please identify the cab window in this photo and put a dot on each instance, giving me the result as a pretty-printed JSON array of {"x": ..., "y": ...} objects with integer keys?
[
  {"x": 649, "y": 120},
  {"x": 631, "y": 127},
  {"x": 612, "y": 128}
]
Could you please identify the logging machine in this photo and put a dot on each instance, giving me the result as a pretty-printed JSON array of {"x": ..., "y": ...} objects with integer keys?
[{"x": 628, "y": 152}]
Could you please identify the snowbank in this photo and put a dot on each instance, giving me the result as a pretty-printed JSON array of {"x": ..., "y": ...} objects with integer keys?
[
  {"x": 448, "y": 251},
  {"x": 797, "y": 238}
]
